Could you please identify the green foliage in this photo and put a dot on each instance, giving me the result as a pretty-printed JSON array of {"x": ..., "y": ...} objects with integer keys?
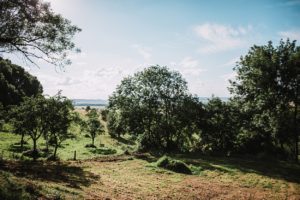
[
  {"x": 93, "y": 124},
  {"x": 58, "y": 119},
  {"x": 267, "y": 91},
  {"x": 16, "y": 83},
  {"x": 173, "y": 165},
  {"x": 40, "y": 116},
  {"x": 219, "y": 130},
  {"x": 33, "y": 30},
  {"x": 28, "y": 118},
  {"x": 153, "y": 103},
  {"x": 104, "y": 114}
]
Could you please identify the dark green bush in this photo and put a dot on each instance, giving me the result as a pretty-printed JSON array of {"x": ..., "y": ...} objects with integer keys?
[{"x": 173, "y": 165}]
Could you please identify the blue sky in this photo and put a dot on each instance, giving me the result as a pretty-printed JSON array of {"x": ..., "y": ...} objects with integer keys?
[{"x": 200, "y": 39}]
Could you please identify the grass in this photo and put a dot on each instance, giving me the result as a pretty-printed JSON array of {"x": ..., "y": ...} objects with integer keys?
[
  {"x": 9, "y": 149},
  {"x": 103, "y": 172}
]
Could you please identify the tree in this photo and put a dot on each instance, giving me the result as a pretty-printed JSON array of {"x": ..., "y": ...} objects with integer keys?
[
  {"x": 268, "y": 87},
  {"x": 58, "y": 120},
  {"x": 16, "y": 83},
  {"x": 39, "y": 116},
  {"x": 1, "y": 116},
  {"x": 94, "y": 126},
  {"x": 28, "y": 119},
  {"x": 219, "y": 130},
  {"x": 31, "y": 28},
  {"x": 148, "y": 105}
]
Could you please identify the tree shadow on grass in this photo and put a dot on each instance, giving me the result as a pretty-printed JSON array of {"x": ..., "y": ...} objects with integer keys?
[
  {"x": 59, "y": 172},
  {"x": 273, "y": 169},
  {"x": 124, "y": 140},
  {"x": 16, "y": 148}
]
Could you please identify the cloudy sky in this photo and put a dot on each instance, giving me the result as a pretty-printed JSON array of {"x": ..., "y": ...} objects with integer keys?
[{"x": 201, "y": 39}]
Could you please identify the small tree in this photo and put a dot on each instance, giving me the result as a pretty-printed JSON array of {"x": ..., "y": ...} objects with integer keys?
[
  {"x": 94, "y": 127},
  {"x": 28, "y": 119},
  {"x": 59, "y": 118},
  {"x": 37, "y": 116}
]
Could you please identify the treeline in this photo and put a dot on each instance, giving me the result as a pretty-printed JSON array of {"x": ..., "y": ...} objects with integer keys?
[
  {"x": 155, "y": 107},
  {"x": 261, "y": 117},
  {"x": 34, "y": 115}
]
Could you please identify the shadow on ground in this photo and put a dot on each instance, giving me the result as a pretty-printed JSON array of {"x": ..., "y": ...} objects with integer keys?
[
  {"x": 273, "y": 169},
  {"x": 124, "y": 141},
  {"x": 59, "y": 172}
]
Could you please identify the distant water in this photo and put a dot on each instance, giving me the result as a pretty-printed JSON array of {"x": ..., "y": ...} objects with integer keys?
[
  {"x": 94, "y": 103},
  {"x": 103, "y": 103}
]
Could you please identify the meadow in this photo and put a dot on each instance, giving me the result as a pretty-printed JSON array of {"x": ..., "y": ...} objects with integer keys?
[{"x": 110, "y": 172}]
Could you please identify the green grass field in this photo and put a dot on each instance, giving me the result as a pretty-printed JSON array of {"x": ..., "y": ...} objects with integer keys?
[{"x": 106, "y": 173}]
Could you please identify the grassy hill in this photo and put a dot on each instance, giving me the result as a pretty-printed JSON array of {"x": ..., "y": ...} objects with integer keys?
[{"x": 106, "y": 173}]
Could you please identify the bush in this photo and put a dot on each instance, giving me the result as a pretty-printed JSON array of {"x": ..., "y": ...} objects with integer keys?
[
  {"x": 90, "y": 146},
  {"x": 173, "y": 165},
  {"x": 103, "y": 151}
]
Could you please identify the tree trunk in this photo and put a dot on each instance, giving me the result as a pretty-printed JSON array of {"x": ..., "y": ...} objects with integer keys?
[
  {"x": 34, "y": 153},
  {"x": 22, "y": 141},
  {"x": 34, "y": 145},
  {"x": 55, "y": 150},
  {"x": 93, "y": 141},
  {"x": 47, "y": 142},
  {"x": 296, "y": 133}
]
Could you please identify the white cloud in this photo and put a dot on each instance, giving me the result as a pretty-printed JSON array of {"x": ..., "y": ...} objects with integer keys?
[
  {"x": 143, "y": 51},
  {"x": 218, "y": 37},
  {"x": 109, "y": 72},
  {"x": 68, "y": 81},
  {"x": 291, "y": 34},
  {"x": 232, "y": 62},
  {"x": 229, "y": 76},
  {"x": 188, "y": 66}
]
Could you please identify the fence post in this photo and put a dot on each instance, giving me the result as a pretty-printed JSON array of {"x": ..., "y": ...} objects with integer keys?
[{"x": 74, "y": 155}]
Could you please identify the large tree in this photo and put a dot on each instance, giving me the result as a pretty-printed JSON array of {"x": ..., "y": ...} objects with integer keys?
[
  {"x": 268, "y": 85},
  {"x": 16, "y": 83},
  {"x": 31, "y": 28},
  {"x": 150, "y": 104}
]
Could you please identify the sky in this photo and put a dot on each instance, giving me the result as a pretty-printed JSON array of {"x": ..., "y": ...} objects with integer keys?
[{"x": 201, "y": 39}]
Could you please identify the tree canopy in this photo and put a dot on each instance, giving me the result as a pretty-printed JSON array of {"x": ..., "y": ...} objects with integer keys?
[
  {"x": 16, "y": 83},
  {"x": 31, "y": 28},
  {"x": 39, "y": 116},
  {"x": 151, "y": 104},
  {"x": 268, "y": 89}
]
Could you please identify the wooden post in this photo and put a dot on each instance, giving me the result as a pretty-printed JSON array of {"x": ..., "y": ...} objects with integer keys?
[{"x": 74, "y": 155}]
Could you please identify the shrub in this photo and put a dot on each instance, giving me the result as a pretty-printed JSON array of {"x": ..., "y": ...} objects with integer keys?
[
  {"x": 173, "y": 165},
  {"x": 103, "y": 151},
  {"x": 90, "y": 146}
]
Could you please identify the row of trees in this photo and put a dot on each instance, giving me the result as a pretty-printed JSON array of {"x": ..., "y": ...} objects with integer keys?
[
  {"x": 261, "y": 116},
  {"x": 38, "y": 117},
  {"x": 50, "y": 118}
]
